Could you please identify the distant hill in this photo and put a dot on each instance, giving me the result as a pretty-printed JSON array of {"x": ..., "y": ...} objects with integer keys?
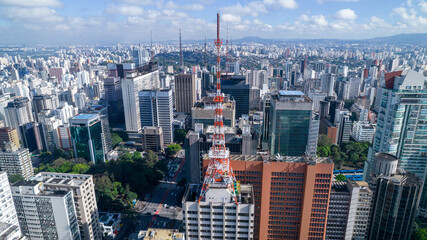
[{"x": 413, "y": 38}]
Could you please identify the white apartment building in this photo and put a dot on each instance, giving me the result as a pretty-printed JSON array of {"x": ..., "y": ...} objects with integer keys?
[
  {"x": 45, "y": 214},
  {"x": 156, "y": 109},
  {"x": 8, "y": 213},
  {"x": 16, "y": 161},
  {"x": 363, "y": 131},
  {"x": 131, "y": 85},
  {"x": 83, "y": 190},
  {"x": 218, "y": 216}
]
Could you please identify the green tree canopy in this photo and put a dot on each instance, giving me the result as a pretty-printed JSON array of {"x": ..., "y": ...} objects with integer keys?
[
  {"x": 324, "y": 140},
  {"x": 179, "y": 135},
  {"x": 341, "y": 178},
  {"x": 15, "y": 178},
  {"x": 115, "y": 139},
  {"x": 172, "y": 149}
]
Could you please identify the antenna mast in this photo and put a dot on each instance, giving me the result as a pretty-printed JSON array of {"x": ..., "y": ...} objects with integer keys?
[
  {"x": 181, "y": 60},
  {"x": 219, "y": 170}
]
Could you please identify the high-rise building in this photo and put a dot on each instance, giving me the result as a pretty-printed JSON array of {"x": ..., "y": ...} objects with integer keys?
[
  {"x": 132, "y": 84},
  {"x": 328, "y": 82},
  {"x": 203, "y": 112},
  {"x": 156, "y": 109},
  {"x": 8, "y": 135},
  {"x": 363, "y": 131},
  {"x": 49, "y": 123},
  {"x": 343, "y": 123},
  {"x": 218, "y": 216},
  {"x": 43, "y": 213},
  {"x": 185, "y": 92},
  {"x": 140, "y": 56},
  {"x": 395, "y": 203},
  {"x": 192, "y": 157},
  {"x": 8, "y": 213},
  {"x": 57, "y": 72},
  {"x": 152, "y": 138},
  {"x": 29, "y": 134},
  {"x": 292, "y": 127},
  {"x": 349, "y": 206},
  {"x": 291, "y": 194},
  {"x": 19, "y": 112},
  {"x": 238, "y": 91},
  {"x": 16, "y": 161},
  {"x": 401, "y": 122},
  {"x": 44, "y": 102},
  {"x": 87, "y": 137},
  {"x": 83, "y": 189},
  {"x": 64, "y": 136},
  {"x": 114, "y": 96}
]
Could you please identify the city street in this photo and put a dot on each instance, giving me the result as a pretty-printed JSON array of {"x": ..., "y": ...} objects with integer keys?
[{"x": 163, "y": 208}]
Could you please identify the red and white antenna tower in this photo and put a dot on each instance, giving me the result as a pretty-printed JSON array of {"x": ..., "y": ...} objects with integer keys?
[{"x": 219, "y": 170}]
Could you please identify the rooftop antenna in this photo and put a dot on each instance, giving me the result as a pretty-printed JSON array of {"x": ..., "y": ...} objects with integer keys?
[
  {"x": 151, "y": 46},
  {"x": 181, "y": 60},
  {"x": 226, "y": 53},
  {"x": 206, "y": 57},
  {"x": 219, "y": 170}
]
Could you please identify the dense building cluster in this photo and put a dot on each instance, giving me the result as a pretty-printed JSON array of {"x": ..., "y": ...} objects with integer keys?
[{"x": 288, "y": 111}]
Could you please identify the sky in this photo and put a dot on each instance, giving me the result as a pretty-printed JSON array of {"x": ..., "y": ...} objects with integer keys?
[{"x": 131, "y": 21}]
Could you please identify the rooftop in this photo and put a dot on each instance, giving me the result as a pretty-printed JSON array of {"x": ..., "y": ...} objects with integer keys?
[
  {"x": 85, "y": 116},
  {"x": 291, "y": 93},
  {"x": 163, "y": 234}
]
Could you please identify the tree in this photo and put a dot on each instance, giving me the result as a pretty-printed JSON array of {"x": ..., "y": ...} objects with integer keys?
[
  {"x": 348, "y": 103},
  {"x": 341, "y": 178},
  {"x": 137, "y": 156},
  {"x": 15, "y": 178},
  {"x": 324, "y": 140},
  {"x": 172, "y": 149},
  {"x": 353, "y": 117},
  {"x": 115, "y": 139},
  {"x": 123, "y": 135},
  {"x": 45, "y": 155},
  {"x": 419, "y": 234},
  {"x": 126, "y": 157},
  {"x": 151, "y": 158},
  {"x": 323, "y": 151},
  {"x": 80, "y": 168},
  {"x": 179, "y": 135}
]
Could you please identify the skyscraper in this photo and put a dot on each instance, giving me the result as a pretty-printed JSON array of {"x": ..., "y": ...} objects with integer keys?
[
  {"x": 349, "y": 207},
  {"x": 8, "y": 212},
  {"x": 395, "y": 202},
  {"x": 87, "y": 137},
  {"x": 292, "y": 124},
  {"x": 45, "y": 214},
  {"x": 156, "y": 109},
  {"x": 140, "y": 56},
  {"x": 291, "y": 194},
  {"x": 185, "y": 92},
  {"x": 16, "y": 161},
  {"x": 239, "y": 91},
  {"x": 401, "y": 124},
  {"x": 131, "y": 86},
  {"x": 83, "y": 189},
  {"x": 114, "y": 96},
  {"x": 8, "y": 135},
  {"x": 19, "y": 112}
]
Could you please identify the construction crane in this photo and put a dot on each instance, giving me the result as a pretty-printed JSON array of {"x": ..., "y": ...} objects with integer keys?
[{"x": 219, "y": 170}]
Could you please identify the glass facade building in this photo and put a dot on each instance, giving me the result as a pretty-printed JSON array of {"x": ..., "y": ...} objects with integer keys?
[
  {"x": 291, "y": 124},
  {"x": 87, "y": 137}
]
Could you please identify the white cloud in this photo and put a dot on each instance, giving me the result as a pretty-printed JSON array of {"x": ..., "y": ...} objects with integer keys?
[
  {"x": 323, "y": 1},
  {"x": 126, "y": 10},
  {"x": 32, "y": 3},
  {"x": 290, "y": 4},
  {"x": 376, "y": 22},
  {"x": 41, "y": 14},
  {"x": 346, "y": 14},
  {"x": 423, "y": 6},
  {"x": 195, "y": 6},
  {"x": 316, "y": 20},
  {"x": 253, "y": 9},
  {"x": 230, "y": 18}
]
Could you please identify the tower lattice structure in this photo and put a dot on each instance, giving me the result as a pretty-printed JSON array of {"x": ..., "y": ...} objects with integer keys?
[{"x": 219, "y": 170}]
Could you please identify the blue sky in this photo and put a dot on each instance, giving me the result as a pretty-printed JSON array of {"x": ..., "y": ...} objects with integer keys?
[{"x": 115, "y": 21}]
